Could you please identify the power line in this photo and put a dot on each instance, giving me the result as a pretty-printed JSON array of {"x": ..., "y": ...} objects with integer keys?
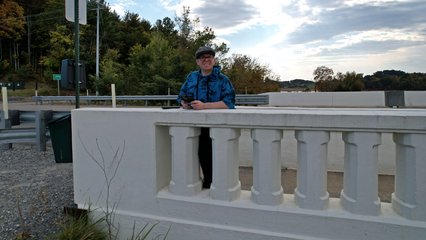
[
  {"x": 39, "y": 14},
  {"x": 32, "y": 15}
]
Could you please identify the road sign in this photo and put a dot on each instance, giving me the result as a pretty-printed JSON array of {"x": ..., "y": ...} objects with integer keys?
[
  {"x": 56, "y": 77},
  {"x": 82, "y": 11}
]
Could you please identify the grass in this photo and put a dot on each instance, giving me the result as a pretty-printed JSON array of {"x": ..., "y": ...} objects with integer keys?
[{"x": 82, "y": 228}]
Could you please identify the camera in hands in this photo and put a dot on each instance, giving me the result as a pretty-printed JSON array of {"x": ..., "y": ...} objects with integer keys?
[{"x": 187, "y": 98}]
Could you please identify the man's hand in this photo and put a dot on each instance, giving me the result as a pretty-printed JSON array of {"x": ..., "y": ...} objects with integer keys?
[
  {"x": 185, "y": 105},
  {"x": 198, "y": 105}
]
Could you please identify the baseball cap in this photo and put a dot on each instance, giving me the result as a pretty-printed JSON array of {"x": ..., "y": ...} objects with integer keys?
[{"x": 204, "y": 50}]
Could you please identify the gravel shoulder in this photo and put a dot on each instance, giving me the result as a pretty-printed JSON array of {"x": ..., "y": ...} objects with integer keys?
[{"x": 33, "y": 192}]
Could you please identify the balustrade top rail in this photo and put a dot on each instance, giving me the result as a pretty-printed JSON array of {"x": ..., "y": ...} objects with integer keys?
[
  {"x": 240, "y": 99},
  {"x": 335, "y": 119}
]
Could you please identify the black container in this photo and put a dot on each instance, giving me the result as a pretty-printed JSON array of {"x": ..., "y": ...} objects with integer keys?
[{"x": 60, "y": 134}]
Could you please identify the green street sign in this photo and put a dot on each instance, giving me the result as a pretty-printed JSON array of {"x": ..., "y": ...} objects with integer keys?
[{"x": 56, "y": 77}]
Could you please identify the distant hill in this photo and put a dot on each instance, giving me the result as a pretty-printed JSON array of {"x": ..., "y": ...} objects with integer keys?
[{"x": 297, "y": 84}]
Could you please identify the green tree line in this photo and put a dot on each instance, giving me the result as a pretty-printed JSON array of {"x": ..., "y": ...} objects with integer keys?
[
  {"x": 138, "y": 56},
  {"x": 327, "y": 81}
]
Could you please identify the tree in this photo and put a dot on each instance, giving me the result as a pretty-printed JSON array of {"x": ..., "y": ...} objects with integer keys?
[
  {"x": 133, "y": 30},
  {"x": 61, "y": 47},
  {"x": 12, "y": 21},
  {"x": 111, "y": 72},
  {"x": 168, "y": 28},
  {"x": 11, "y": 29},
  {"x": 323, "y": 73},
  {"x": 248, "y": 76},
  {"x": 323, "y": 77},
  {"x": 351, "y": 81}
]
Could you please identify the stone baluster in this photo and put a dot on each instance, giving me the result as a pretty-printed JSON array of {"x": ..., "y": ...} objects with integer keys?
[
  {"x": 360, "y": 178},
  {"x": 185, "y": 179},
  {"x": 408, "y": 200},
  {"x": 226, "y": 184},
  {"x": 267, "y": 189},
  {"x": 311, "y": 191}
]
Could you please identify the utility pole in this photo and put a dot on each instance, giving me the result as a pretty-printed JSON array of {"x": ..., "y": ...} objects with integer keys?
[
  {"x": 75, "y": 17},
  {"x": 97, "y": 47},
  {"x": 29, "y": 39},
  {"x": 77, "y": 54}
]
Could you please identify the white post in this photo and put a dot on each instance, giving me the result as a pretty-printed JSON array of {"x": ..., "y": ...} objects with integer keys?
[
  {"x": 267, "y": 189},
  {"x": 5, "y": 122},
  {"x": 226, "y": 184},
  {"x": 361, "y": 169},
  {"x": 5, "y": 103},
  {"x": 311, "y": 191},
  {"x": 113, "y": 95}
]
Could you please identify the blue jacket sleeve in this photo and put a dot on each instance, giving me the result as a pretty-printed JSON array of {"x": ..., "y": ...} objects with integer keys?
[
  {"x": 228, "y": 93},
  {"x": 183, "y": 91}
]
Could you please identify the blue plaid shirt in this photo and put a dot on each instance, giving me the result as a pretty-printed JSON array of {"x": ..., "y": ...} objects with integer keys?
[{"x": 212, "y": 88}]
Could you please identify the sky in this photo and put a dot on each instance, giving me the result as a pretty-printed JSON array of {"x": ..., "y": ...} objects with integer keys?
[{"x": 293, "y": 38}]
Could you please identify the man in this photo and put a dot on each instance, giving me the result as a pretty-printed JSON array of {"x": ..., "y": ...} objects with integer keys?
[{"x": 206, "y": 88}]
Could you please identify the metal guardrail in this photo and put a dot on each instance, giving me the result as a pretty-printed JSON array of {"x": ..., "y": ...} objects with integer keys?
[
  {"x": 17, "y": 135},
  {"x": 252, "y": 99},
  {"x": 34, "y": 128},
  {"x": 240, "y": 99}
]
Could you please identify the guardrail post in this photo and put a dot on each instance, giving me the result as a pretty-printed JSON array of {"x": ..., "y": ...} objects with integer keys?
[
  {"x": 4, "y": 124},
  {"x": 41, "y": 119}
]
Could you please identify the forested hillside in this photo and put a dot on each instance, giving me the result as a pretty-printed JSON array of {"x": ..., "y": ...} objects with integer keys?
[{"x": 140, "y": 57}]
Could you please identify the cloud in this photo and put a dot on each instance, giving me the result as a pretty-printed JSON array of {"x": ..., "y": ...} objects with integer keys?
[
  {"x": 370, "y": 47},
  {"x": 225, "y": 13},
  {"x": 360, "y": 18},
  {"x": 121, "y": 6}
]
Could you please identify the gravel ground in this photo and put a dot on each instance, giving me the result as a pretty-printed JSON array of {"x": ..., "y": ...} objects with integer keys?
[{"x": 33, "y": 192}]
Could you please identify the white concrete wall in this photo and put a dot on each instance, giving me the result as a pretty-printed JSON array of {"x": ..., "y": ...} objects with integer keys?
[
  {"x": 327, "y": 99},
  {"x": 415, "y": 99},
  {"x": 131, "y": 149}
]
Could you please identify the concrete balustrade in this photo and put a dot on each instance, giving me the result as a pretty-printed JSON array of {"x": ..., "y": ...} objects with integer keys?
[
  {"x": 311, "y": 191},
  {"x": 360, "y": 182},
  {"x": 185, "y": 170},
  {"x": 267, "y": 189},
  {"x": 410, "y": 178},
  {"x": 226, "y": 184},
  {"x": 158, "y": 179}
]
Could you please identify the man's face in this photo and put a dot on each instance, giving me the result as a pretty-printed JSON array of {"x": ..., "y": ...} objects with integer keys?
[{"x": 206, "y": 62}]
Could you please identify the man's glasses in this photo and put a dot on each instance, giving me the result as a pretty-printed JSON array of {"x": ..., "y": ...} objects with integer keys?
[{"x": 206, "y": 57}]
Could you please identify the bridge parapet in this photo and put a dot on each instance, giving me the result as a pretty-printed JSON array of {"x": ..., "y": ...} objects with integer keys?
[{"x": 150, "y": 156}]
